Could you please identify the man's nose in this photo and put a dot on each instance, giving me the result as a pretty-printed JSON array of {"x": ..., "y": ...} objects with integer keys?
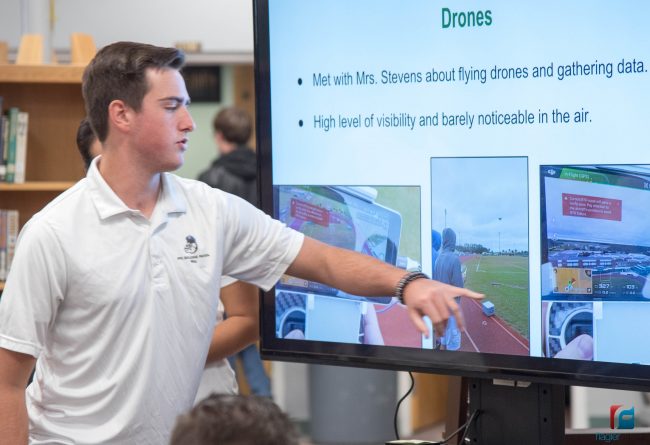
[{"x": 187, "y": 123}]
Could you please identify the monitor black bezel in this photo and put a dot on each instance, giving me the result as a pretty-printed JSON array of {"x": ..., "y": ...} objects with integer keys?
[{"x": 482, "y": 365}]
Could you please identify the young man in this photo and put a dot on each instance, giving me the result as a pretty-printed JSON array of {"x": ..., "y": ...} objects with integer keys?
[
  {"x": 235, "y": 170},
  {"x": 115, "y": 283},
  {"x": 240, "y": 331}
]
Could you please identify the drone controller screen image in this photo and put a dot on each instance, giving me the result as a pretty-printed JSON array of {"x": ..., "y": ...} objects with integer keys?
[
  {"x": 363, "y": 219},
  {"x": 595, "y": 259}
]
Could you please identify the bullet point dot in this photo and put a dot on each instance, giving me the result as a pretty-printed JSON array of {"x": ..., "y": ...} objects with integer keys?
[
  {"x": 300, "y": 122},
  {"x": 299, "y": 81}
]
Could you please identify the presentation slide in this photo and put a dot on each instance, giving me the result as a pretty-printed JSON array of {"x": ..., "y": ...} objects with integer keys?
[{"x": 501, "y": 146}]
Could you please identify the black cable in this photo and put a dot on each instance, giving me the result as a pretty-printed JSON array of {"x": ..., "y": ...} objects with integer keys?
[
  {"x": 474, "y": 416},
  {"x": 400, "y": 402},
  {"x": 464, "y": 426}
]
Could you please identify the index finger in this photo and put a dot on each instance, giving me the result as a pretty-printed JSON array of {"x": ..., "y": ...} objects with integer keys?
[{"x": 470, "y": 293}]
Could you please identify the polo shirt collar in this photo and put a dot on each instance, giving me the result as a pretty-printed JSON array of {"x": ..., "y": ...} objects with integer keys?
[
  {"x": 108, "y": 204},
  {"x": 171, "y": 199}
]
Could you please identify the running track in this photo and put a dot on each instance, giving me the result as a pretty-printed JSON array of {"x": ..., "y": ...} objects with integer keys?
[{"x": 489, "y": 334}]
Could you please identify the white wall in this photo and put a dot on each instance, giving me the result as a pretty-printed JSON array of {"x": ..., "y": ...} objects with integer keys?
[
  {"x": 10, "y": 22},
  {"x": 289, "y": 384},
  {"x": 202, "y": 147},
  {"x": 590, "y": 406},
  {"x": 219, "y": 25}
]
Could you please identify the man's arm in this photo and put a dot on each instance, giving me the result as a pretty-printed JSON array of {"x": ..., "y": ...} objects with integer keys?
[
  {"x": 15, "y": 369},
  {"x": 360, "y": 274},
  {"x": 241, "y": 327}
]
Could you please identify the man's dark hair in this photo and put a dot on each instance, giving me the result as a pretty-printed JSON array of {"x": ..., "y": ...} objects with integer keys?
[
  {"x": 118, "y": 71},
  {"x": 234, "y": 420},
  {"x": 85, "y": 139},
  {"x": 234, "y": 124}
]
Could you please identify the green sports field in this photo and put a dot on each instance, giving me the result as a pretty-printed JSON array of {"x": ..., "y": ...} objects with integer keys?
[
  {"x": 405, "y": 200},
  {"x": 504, "y": 281}
]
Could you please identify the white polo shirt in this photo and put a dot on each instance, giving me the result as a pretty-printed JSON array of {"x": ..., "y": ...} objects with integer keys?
[
  {"x": 218, "y": 376},
  {"x": 119, "y": 309}
]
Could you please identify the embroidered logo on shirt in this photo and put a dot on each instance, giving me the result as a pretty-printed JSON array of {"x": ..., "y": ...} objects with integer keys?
[
  {"x": 192, "y": 251},
  {"x": 191, "y": 246}
]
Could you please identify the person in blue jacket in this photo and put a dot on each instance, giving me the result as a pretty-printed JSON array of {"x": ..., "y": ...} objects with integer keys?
[{"x": 447, "y": 269}]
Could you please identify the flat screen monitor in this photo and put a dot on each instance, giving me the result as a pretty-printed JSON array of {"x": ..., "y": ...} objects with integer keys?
[{"x": 500, "y": 146}]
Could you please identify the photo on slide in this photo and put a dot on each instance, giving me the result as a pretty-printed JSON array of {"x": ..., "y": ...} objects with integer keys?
[
  {"x": 479, "y": 236},
  {"x": 380, "y": 221},
  {"x": 568, "y": 329},
  {"x": 595, "y": 226}
]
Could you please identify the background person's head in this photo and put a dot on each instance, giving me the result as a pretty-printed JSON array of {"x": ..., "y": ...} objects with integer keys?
[
  {"x": 118, "y": 72},
  {"x": 87, "y": 143},
  {"x": 232, "y": 127},
  {"x": 234, "y": 420},
  {"x": 448, "y": 239}
]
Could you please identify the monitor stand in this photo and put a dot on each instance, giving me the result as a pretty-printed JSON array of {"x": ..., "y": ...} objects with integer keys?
[
  {"x": 516, "y": 412},
  {"x": 521, "y": 412}
]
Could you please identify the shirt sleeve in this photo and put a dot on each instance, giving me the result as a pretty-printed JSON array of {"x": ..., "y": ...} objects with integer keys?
[
  {"x": 227, "y": 281},
  {"x": 258, "y": 249},
  {"x": 33, "y": 291}
]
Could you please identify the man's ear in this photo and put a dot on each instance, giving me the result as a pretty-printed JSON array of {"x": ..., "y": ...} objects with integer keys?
[{"x": 120, "y": 115}]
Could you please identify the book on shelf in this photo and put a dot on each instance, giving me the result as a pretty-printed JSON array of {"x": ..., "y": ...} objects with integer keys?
[
  {"x": 12, "y": 116},
  {"x": 3, "y": 245},
  {"x": 12, "y": 236},
  {"x": 8, "y": 238},
  {"x": 22, "y": 123},
  {"x": 4, "y": 146},
  {"x": 3, "y": 153}
]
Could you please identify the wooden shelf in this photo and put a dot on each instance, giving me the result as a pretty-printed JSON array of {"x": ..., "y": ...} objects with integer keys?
[
  {"x": 2, "y": 286},
  {"x": 51, "y": 94},
  {"x": 70, "y": 74},
  {"x": 37, "y": 186}
]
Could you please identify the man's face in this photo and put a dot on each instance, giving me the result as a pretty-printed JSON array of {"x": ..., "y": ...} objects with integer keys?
[{"x": 160, "y": 129}]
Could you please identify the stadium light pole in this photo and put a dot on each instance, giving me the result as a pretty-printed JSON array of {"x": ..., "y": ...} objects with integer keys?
[{"x": 500, "y": 218}]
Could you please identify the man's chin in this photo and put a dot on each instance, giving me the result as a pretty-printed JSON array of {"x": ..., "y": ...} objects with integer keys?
[
  {"x": 170, "y": 168},
  {"x": 178, "y": 164}
]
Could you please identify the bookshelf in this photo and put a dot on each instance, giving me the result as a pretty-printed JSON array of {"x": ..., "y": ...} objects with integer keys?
[
  {"x": 51, "y": 94},
  {"x": 36, "y": 186}
]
